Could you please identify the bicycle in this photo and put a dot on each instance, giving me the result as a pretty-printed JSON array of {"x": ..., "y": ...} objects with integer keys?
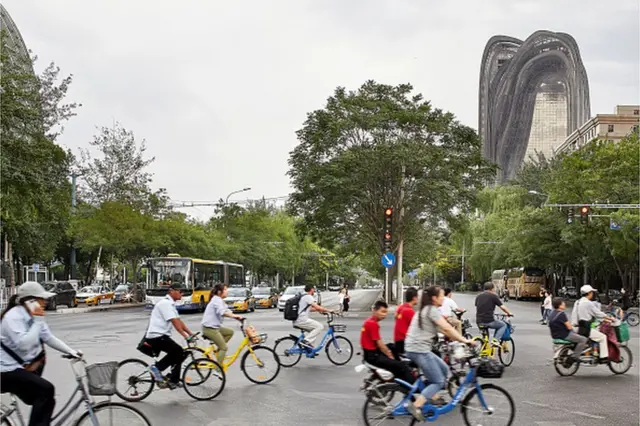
[
  {"x": 295, "y": 350},
  {"x": 141, "y": 376},
  {"x": 92, "y": 380},
  {"x": 380, "y": 398},
  {"x": 507, "y": 348},
  {"x": 252, "y": 345}
]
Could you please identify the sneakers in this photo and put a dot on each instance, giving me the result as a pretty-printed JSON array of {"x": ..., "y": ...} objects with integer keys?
[
  {"x": 158, "y": 377},
  {"x": 174, "y": 385},
  {"x": 415, "y": 412}
]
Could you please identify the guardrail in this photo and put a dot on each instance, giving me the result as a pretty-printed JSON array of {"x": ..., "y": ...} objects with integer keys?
[{"x": 5, "y": 294}]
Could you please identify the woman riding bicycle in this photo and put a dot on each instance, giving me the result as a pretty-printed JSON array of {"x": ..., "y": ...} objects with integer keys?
[
  {"x": 212, "y": 320},
  {"x": 23, "y": 332},
  {"x": 422, "y": 334}
]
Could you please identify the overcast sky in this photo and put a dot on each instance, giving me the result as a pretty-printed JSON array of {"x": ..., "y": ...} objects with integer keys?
[{"x": 218, "y": 88}]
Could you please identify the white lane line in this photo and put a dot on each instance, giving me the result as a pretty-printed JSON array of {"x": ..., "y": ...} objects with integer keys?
[{"x": 579, "y": 413}]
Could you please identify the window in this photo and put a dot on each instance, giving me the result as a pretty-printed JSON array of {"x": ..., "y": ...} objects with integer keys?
[
  {"x": 610, "y": 128},
  {"x": 206, "y": 275},
  {"x": 634, "y": 129},
  {"x": 636, "y": 112},
  {"x": 236, "y": 275}
]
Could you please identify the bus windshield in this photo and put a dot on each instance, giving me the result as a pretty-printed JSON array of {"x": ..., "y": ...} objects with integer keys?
[{"x": 164, "y": 272}]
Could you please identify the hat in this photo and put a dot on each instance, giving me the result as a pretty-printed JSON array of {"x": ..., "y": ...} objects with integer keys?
[
  {"x": 33, "y": 289},
  {"x": 176, "y": 286},
  {"x": 585, "y": 289}
]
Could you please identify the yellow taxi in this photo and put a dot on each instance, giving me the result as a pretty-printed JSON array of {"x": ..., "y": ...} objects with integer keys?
[
  {"x": 240, "y": 299},
  {"x": 93, "y": 295},
  {"x": 266, "y": 297}
]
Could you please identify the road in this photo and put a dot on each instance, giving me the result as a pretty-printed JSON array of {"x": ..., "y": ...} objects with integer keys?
[{"x": 317, "y": 393}]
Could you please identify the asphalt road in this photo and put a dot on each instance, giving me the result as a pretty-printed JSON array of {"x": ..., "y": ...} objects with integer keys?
[{"x": 315, "y": 392}]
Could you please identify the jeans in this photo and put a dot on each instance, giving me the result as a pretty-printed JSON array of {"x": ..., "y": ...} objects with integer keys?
[
  {"x": 312, "y": 326},
  {"x": 499, "y": 326},
  {"x": 220, "y": 336},
  {"x": 32, "y": 390},
  {"x": 174, "y": 357},
  {"x": 434, "y": 369},
  {"x": 545, "y": 315}
]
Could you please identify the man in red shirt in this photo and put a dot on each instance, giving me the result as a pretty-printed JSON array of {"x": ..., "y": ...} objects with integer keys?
[
  {"x": 404, "y": 314},
  {"x": 375, "y": 352}
]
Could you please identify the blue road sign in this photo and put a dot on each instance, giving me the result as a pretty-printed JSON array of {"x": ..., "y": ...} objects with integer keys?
[
  {"x": 388, "y": 260},
  {"x": 613, "y": 225},
  {"x": 35, "y": 267}
]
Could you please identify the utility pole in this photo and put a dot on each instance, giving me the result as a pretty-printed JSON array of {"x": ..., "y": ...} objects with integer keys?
[
  {"x": 74, "y": 176},
  {"x": 401, "y": 243},
  {"x": 463, "y": 250}
]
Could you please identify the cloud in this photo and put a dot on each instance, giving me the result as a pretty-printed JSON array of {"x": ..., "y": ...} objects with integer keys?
[{"x": 218, "y": 88}]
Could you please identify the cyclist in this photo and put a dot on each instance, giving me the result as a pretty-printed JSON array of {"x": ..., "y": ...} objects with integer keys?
[
  {"x": 375, "y": 352},
  {"x": 158, "y": 336},
  {"x": 212, "y": 320},
  {"x": 404, "y": 314},
  {"x": 22, "y": 359},
  {"x": 486, "y": 303},
  {"x": 304, "y": 322},
  {"x": 422, "y": 333},
  {"x": 584, "y": 313},
  {"x": 449, "y": 309}
]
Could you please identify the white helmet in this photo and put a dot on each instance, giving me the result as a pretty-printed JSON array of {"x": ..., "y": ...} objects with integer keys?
[
  {"x": 586, "y": 289},
  {"x": 33, "y": 289}
]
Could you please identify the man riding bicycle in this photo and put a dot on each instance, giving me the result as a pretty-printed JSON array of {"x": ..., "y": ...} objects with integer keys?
[
  {"x": 486, "y": 303},
  {"x": 158, "y": 337},
  {"x": 304, "y": 322}
]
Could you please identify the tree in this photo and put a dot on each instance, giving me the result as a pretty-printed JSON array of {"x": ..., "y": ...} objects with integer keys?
[
  {"x": 381, "y": 146},
  {"x": 35, "y": 191},
  {"x": 120, "y": 173}
]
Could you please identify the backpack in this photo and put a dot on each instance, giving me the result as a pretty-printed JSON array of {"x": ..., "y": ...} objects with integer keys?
[{"x": 291, "y": 308}]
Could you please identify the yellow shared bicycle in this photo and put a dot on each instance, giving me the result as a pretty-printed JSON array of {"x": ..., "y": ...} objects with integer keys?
[
  {"x": 257, "y": 358},
  {"x": 506, "y": 349}
]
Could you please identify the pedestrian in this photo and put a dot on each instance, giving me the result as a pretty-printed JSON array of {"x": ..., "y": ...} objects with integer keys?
[
  {"x": 22, "y": 358},
  {"x": 341, "y": 299},
  {"x": 548, "y": 305},
  {"x": 541, "y": 295},
  {"x": 345, "y": 301}
]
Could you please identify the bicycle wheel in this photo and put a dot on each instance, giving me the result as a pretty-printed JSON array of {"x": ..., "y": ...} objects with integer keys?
[
  {"x": 381, "y": 402},
  {"x": 342, "y": 347},
  {"x": 562, "y": 365},
  {"x": 507, "y": 356},
  {"x": 633, "y": 319},
  {"x": 109, "y": 413},
  {"x": 266, "y": 362},
  {"x": 203, "y": 379},
  {"x": 138, "y": 380},
  {"x": 624, "y": 364},
  {"x": 282, "y": 348},
  {"x": 492, "y": 414}
]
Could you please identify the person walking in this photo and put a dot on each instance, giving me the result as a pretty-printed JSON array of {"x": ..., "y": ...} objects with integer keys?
[
  {"x": 345, "y": 301},
  {"x": 548, "y": 307}
]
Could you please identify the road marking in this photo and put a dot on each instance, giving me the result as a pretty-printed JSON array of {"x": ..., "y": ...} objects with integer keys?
[
  {"x": 579, "y": 413},
  {"x": 555, "y": 424}
]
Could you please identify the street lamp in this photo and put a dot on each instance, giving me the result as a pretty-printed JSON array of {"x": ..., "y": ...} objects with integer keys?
[{"x": 236, "y": 192}]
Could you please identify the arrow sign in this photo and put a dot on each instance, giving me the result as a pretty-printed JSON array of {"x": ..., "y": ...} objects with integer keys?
[
  {"x": 613, "y": 225},
  {"x": 388, "y": 260}
]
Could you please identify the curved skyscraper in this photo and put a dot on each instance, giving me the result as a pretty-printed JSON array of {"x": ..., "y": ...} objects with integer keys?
[
  {"x": 533, "y": 94},
  {"x": 13, "y": 37}
]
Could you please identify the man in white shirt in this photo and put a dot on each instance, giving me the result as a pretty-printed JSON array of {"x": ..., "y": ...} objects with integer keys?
[
  {"x": 158, "y": 337},
  {"x": 449, "y": 308},
  {"x": 584, "y": 313},
  {"x": 304, "y": 322}
]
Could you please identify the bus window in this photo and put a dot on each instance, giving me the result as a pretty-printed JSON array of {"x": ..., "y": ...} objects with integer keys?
[
  {"x": 236, "y": 275},
  {"x": 206, "y": 275}
]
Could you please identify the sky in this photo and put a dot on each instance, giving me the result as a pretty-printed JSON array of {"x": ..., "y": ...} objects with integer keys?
[{"x": 218, "y": 88}]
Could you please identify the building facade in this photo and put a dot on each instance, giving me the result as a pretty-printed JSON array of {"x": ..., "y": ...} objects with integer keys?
[
  {"x": 610, "y": 127},
  {"x": 532, "y": 95}
]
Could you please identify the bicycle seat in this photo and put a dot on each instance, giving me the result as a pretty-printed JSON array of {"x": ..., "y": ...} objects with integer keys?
[
  {"x": 382, "y": 373},
  {"x": 482, "y": 327},
  {"x": 562, "y": 342}
]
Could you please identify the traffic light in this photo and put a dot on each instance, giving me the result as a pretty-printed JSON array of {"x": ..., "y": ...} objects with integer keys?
[
  {"x": 584, "y": 214},
  {"x": 388, "y": 215},
  {"x": 570, "y": 215}
]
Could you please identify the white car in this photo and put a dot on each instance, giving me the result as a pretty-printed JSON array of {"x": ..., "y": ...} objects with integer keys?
[{"x": 293, "y": 291}]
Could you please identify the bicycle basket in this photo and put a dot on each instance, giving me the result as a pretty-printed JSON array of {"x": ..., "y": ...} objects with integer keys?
[
  {"x": 102, "y": 378},
  {"x": 490, "y": 369},
  {"x": 339, "y": 328}
]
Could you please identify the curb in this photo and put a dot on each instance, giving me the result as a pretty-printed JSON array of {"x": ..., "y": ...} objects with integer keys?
[{"x": 100, "y": 308}]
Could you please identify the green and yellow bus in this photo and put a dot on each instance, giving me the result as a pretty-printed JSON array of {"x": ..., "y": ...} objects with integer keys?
[{"x": 197, "y": 277}]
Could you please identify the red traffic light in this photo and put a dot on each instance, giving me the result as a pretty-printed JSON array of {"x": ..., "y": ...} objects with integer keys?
[
  {"x": 388, "y": 212},
  {"x": 387, "y": 236},
  {"x": 584, "y": 210}
]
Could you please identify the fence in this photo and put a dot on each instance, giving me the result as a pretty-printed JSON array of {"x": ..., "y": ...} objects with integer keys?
[{"x": 5, "y": 294}]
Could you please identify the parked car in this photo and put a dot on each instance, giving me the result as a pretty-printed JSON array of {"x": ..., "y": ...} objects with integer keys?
[
  {"x": 265, "y": 297},
  {"x": 334, "y": 287},
  {"x": 95, "y": 295},
  {"x": 240, "y": 299},
  {"x": 293, "y": 291},
  {"x": 129, "y": 293},
  {"x": 65, "y": 294}
]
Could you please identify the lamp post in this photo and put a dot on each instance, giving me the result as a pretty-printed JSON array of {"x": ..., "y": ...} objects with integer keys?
[{"x": 236, "y": 192}]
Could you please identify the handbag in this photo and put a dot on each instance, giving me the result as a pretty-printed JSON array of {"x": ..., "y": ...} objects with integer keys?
[{"x": 35, "y": 366}]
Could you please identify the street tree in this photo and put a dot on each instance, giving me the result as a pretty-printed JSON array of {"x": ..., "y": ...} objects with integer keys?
[
  {"x": 381, "y": 146},
  {"x": 34, "y": 194}
]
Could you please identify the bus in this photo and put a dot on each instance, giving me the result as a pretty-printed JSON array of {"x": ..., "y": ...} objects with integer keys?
[
  {"x": 525, "y": 283},
  {"x": 197, "y": 276},
  {"x": 497, "y": 278}
]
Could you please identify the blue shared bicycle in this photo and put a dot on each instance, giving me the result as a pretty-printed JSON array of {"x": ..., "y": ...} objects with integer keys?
[
  {"x": 481, "y": 404},
  {"x": 338, "y": 348}
]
